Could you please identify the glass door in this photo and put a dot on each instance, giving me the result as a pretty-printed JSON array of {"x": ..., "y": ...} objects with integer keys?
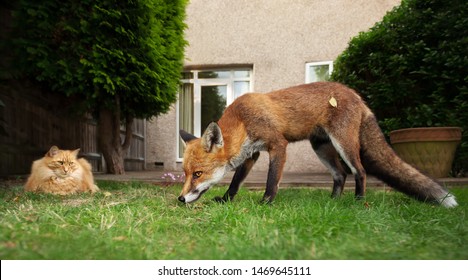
[{"x": 212, "y": 105}]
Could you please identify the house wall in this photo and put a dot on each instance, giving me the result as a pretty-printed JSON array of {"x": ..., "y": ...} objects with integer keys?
[{"x": 278, "y": 38}]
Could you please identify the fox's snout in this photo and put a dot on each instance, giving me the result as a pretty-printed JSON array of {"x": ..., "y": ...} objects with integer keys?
[
  {"x": 189, "y": 191},
  {"x": 194, "y": 194},
  {"x": 192, "y": 191}
]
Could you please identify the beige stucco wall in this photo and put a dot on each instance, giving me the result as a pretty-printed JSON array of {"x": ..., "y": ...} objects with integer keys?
[
  {"x": 278, "y": 38},
  {"x": 161, "y": 137}
]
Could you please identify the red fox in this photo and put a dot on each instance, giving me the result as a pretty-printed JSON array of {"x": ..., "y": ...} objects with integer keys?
[{"x": 330, "y": 115}]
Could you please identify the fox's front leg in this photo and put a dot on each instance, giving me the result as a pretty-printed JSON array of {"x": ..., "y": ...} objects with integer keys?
[
  {"x": 275, "y": 170},
  {"x": 239, "y": 176}
]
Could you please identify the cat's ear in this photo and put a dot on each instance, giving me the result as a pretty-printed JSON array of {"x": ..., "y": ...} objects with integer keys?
[
  {"x": 53, "y": 151},
  {"x": 75, "y": 153}
]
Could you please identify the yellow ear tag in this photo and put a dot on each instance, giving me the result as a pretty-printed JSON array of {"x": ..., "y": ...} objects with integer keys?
[{"x": 333, "y": 102}]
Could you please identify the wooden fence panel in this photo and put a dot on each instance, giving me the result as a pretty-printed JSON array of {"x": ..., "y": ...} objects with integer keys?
[
  {"x": 135, "y": 157},
  {"x": 34, "y": 123}
]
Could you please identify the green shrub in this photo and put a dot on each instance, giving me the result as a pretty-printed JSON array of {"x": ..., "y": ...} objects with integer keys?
[{"x": 411, "y": 68}]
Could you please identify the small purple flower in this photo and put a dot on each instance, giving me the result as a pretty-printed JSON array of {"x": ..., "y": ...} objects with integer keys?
[{"x": 172, "y": 178}]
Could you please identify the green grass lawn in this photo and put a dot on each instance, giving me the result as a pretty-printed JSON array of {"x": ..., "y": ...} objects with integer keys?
[{"x": 143, "y": 221}]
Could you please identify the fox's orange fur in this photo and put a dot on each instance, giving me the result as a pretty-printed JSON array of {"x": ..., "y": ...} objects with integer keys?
[
  {"x": 268, "y": 122},
  {"x": 61, "y": 172}
]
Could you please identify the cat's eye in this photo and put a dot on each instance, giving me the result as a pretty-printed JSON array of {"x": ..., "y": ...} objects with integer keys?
[
  {"x": 60, "y": 162},
  {"x": 197, "y": 174}
]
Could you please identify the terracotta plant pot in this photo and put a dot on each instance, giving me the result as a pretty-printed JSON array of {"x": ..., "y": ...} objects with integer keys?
[{"x": 431, "y": 149}]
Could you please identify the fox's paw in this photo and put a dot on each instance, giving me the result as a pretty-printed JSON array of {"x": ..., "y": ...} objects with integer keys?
[
  {"x": 266, "y": 201},
  {"x": 219, "y": 199},
  {"x": 359, "y": 197}
]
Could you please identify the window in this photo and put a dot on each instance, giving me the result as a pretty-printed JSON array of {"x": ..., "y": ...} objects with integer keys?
[
  {"x": 318, "y": 71},
  {"x": 203, "y": 96}
]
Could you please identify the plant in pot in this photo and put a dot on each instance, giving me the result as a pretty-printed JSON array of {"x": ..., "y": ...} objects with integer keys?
[
  {"x": 430, "y": 149},
  {"x": 429, "y": 146},
  {"x": 430, "y": 139},
  {"x": 411, "y": 70}
]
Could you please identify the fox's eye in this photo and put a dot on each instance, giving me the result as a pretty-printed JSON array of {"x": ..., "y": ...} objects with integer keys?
[{"x": 197, "y": 174}]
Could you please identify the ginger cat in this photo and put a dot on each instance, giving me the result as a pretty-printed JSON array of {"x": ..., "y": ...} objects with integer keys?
[{"x": 61, "y": 172}]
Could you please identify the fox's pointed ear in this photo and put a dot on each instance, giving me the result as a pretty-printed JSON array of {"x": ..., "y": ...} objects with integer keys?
[
  {"x": 212, "y": 138},
  {"x": 187, "y": 137}
]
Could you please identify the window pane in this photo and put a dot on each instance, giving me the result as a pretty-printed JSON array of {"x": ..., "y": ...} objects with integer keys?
[
  {"x": 187, "y": 75},
  {"x": 319, "y": 73},
  {"x": 242, "y": 74},
  {"x": 185, "y": 113},
  {"x": 213, "y": 103},
  {"x": 214, "y": 74},
  {"x": 241, "y": 88}
]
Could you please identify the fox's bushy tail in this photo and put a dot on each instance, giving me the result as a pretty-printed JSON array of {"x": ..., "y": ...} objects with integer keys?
[{"x": 379, "y": 159}]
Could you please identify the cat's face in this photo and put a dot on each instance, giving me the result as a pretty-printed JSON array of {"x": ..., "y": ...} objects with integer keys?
[{"x": 63, "y": 163}]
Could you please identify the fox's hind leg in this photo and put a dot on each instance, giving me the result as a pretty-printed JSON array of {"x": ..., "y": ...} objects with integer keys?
[
  {"x": 348, "y": 148},
  {"x": 330, "y": 158},
  {"x": 239, "y": 176}
]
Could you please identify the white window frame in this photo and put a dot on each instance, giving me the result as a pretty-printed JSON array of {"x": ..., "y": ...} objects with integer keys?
[
  {"x": 198, "y": 83},
  {"x": 319, "y": 63}
]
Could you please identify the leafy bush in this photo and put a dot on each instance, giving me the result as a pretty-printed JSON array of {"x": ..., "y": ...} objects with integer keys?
[{"x": 411, "y": 68}]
